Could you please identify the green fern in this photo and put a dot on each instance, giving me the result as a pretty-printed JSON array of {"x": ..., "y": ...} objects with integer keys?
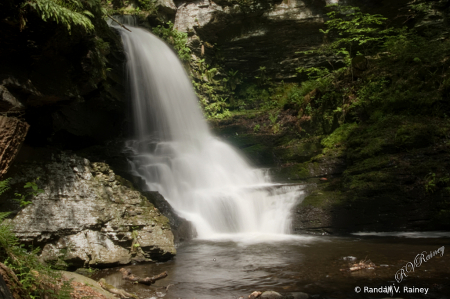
[
  {"x": 176, "y": 38},
  {"x": 65, "y": 12},
  {"x": 4, "y": 186}
]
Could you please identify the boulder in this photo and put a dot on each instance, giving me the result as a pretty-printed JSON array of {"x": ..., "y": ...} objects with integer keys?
[
  {"x": 299, "y": 295},
  {"x": 197, "y": 14},
  {"x": 167, "y": 7},
  {"x": 87, "y": 215},
  {"x": 85, "y": 281},
  {"x": 182, "y": 229},
  {"x": 270, "y": 295}
]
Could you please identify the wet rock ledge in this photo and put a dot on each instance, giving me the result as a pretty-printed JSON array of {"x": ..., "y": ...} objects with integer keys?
[{"x": 87, "y": 215}]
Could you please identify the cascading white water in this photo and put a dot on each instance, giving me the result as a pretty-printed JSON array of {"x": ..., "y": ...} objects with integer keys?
[{"x": 203, "y": 178}]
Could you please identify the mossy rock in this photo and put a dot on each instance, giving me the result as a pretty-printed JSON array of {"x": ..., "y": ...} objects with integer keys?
[
  {"x": 300, "y": 152},
  {"x": 259, "y": 154},
  {"x": 321, "y": 199}
]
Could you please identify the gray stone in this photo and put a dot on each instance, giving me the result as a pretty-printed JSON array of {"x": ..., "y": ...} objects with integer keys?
[
  {"x": 270, "y": 295},
  {"x": 197, "y": 14},
  {"x": 88, "y": 282},
  {"x": 182, "y": 229},
  {"x": 87, "y": 216},
  {"x": 300, "y": 295},
  {"x": 166, "y": 6},
  {"x": 8, "y": 100},
  {"x": 269, "y": 33}
]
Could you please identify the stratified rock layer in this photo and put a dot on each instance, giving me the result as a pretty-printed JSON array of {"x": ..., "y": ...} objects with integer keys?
[{"x": 87, "y": 215}]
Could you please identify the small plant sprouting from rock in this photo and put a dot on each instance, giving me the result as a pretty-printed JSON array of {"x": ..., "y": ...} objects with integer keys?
[
  {"x": 256, "y": 128},
  {"x": 273, "y": 121},
  {"x": 23, "y": 199},
  {"x": 4, "y": 185},
  {"x": 433, "y": 182}
]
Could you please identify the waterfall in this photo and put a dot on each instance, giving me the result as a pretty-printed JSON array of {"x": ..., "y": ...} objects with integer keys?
[{"x": 204, "y": 179}]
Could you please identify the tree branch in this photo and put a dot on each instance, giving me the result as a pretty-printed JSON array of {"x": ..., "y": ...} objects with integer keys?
[{"x": 121, "y": 25}]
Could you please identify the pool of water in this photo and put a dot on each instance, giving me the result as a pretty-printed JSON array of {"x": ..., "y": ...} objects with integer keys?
[{"x": 233, "y": 267}]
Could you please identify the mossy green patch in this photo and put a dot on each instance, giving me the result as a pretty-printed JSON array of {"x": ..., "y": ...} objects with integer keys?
[
  {"x": 124, "y": 182},
  {"x": 415, "y": 135},
  {"x": 322, "y": 199},
  {"x": 298, "y": 171},
  {"x": 370, "y": 183},
  {"x": 299, "y": 152},
  {"x": 339, "y": 136},
  {"x": 370, "y": 164}
]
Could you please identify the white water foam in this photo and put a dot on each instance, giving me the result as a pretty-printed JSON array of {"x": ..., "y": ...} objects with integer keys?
[
  {"x": 204, "y": 179},
  {"x": 412, "y": 235}
]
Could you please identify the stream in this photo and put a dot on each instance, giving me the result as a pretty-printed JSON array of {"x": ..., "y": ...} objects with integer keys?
[{"x": 230, "y": 268}]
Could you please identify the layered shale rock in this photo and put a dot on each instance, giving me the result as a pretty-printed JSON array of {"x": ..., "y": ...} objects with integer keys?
[
  {"x": 88, "y": 215},
  {"x": 251, "y": 34}
]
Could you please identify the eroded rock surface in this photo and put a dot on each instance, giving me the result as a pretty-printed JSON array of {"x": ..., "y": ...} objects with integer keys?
[{"x": 88, "y": 215}]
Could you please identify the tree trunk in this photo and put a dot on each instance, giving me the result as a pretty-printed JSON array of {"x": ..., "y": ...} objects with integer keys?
[
  {"x": 126, "y": 274},
  {"x": 12, "y": 135}
]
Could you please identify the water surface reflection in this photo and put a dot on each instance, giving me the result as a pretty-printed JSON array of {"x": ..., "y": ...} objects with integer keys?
[{"x": 223, "y": 268}]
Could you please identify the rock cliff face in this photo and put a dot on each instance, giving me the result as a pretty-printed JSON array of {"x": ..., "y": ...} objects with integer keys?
[
  {"x": 246, "y": 35},
  {"x": 252, "y": 34},
  {"x": 67, "y": 87},
  {"x": 87, "y": 215}
]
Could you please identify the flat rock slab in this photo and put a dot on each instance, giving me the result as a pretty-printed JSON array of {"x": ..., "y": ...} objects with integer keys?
[{"x": 87, "y": 281}]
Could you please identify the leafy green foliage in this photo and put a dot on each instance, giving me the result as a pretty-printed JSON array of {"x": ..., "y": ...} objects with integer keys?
[
  {"x": 175, "y": 38},
  {"x": 419, "y": 6},
  {"x": 339, "y": 136},
  {"x": 433, "y": 182},
  {"x": 148, "y": 5},
  {"x": 313, "y": 72},
  {"x": 128, "y": 7},
  {"x": 412, "y": 78},
  {"x": 4, "y": 185},
  {"x": 232, "y": 80},
  {"x": 213, "y": 93},
  {"x": 273, "y": 117},
  {"x": 349, "y": 33},
  {"x": 408, "y": 73},
  {"x": 69, "y": 13},
  {"x": 355, "y": 28},
  {"x": 262, "y": 78},
  {"x": 34, "y": 191}
]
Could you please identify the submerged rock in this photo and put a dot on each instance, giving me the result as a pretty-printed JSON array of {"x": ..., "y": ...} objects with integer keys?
[
  {"x": 88, "y": 216},
  {"x": 270, "y": 295},
  {"x": 299, "y": 295}
]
